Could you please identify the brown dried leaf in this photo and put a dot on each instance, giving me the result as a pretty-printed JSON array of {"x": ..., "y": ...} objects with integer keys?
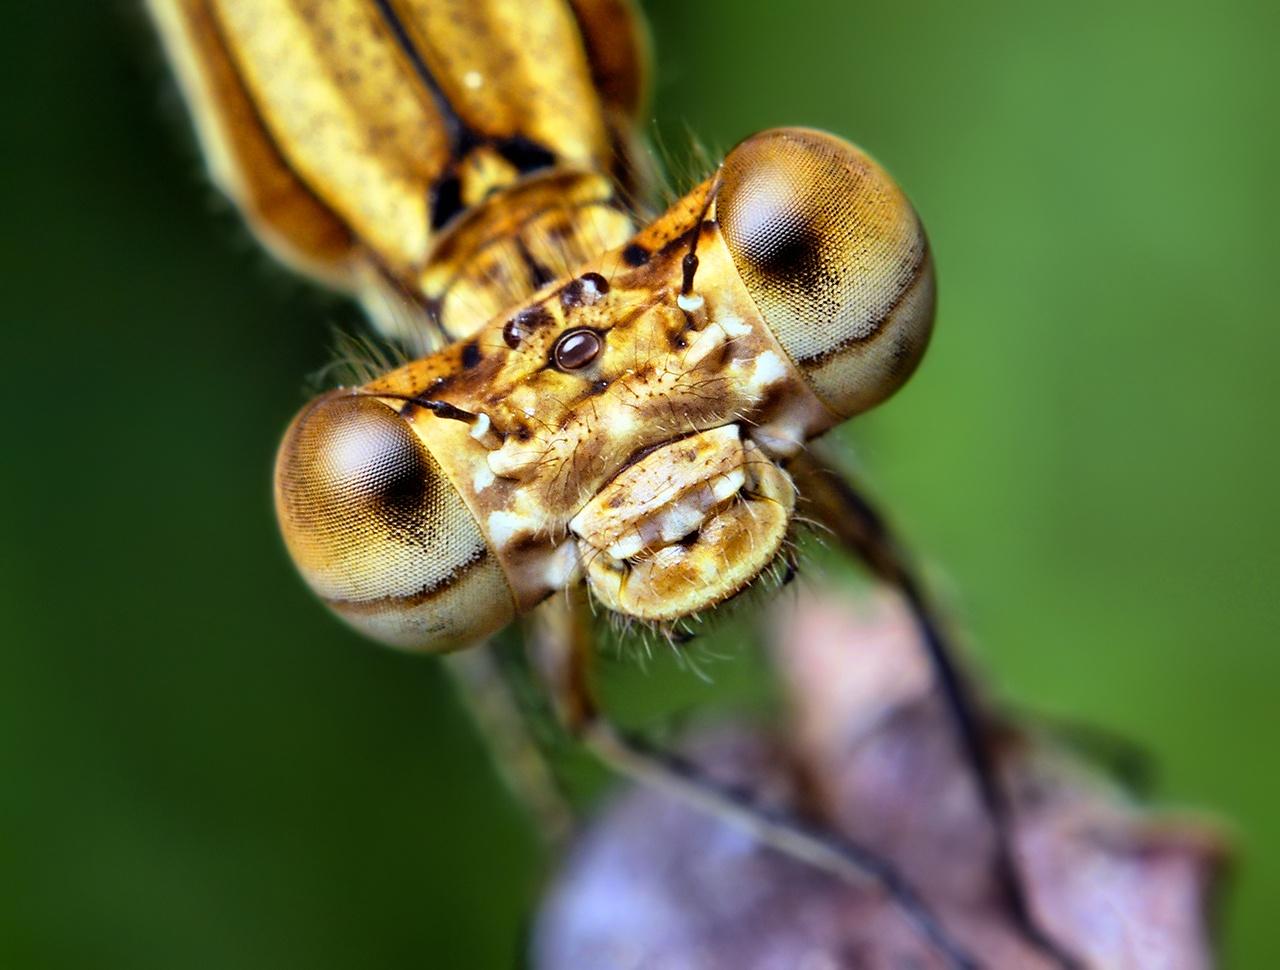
[{"x": 656, "y": 884}]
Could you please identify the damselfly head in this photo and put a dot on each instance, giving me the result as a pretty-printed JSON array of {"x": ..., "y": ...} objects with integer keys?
[{"x": 629, "y": 425}]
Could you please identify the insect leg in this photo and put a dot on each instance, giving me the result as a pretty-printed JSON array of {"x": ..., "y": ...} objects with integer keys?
[
  {"x": 837, "y": 504},
  {"x": 561, "y": 638},
  {"x": 491, "y": 699}
]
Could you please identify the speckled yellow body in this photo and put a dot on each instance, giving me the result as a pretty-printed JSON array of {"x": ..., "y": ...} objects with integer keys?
[
  {"x": 358, "y": 136},
  {"x": 604, "y": 405}
]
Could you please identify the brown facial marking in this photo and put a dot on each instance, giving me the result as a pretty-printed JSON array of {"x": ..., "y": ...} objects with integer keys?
[
  {"x": 576, "y": 349},
  {"x": 635, "y": 255},
  {"x": 586, "y": 290},
  {"x": 524, "y": 323},
  {"x": 511, "y": 334},
  {"x": 597, "y": 282},
  {"x": 470, "y": 354}
]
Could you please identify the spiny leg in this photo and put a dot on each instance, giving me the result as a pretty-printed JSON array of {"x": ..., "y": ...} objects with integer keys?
[
  {"x": 560, "y": 636},
  {"x": 838, "y": 505}
]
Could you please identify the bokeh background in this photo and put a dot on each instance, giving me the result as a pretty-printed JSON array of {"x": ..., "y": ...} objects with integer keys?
[{"x": 199, "y": 768}]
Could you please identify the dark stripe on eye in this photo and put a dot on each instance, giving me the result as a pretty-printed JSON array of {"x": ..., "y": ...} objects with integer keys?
[
  {"x": 382, "y": 604},
  {"x": 875, "y": 327}
]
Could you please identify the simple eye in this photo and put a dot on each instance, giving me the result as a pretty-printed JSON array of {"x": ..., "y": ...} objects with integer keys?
[
  {"x": 835, "y": 259},
  {"x": 377, "y": 530},
  {"x": 576, "y": 349}
]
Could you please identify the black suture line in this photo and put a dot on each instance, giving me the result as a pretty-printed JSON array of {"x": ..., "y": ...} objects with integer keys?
[
  {"x": 430, "y": 308},
  {"x": 444, "y": 199},
  {"x": 525, "y": 154},
  {"x": 538, "y": 273},
  {"x": 461, "y": 137}
]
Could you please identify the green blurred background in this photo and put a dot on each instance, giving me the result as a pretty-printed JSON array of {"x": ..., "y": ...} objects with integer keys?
[{"x": 198, "y": 768}]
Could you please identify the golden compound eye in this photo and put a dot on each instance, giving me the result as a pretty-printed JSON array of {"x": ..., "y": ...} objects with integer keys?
[
  {"x": 835, "y": 259},
  {"x": 576, "y": 349},
  {"x": 379, "y": 533}
]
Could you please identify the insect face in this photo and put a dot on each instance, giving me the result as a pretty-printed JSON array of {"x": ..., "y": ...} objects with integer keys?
[{"x": 628, "y": 426}]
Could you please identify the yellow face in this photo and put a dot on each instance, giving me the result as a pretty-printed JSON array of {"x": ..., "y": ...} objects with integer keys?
[{"x": 627, "y": 427}]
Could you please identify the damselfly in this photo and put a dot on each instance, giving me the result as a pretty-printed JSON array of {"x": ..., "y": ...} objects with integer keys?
[{"x": 605, "y": 410}]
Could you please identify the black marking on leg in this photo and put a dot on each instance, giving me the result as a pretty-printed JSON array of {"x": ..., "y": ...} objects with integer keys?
[{"x": 883, "y": 554}]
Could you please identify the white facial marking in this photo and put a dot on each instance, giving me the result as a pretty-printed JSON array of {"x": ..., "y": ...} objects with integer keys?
[
  {"x": 704, "y": 344},
  {"x": 769, "y": 369},
  {"x": 733, "y": 325},
  {"x": 473, "y": 80},
  {"x": 627, "y": 546},
  {"x": 504, "y": 525},
  {"x": 681, "y": 519},
  {"x": 726, "y": 486},
  {"x": 622, "y": 421},
  {"x": 690, "y": 302},
  {"x": 562, "y": 565},
  {"x": 514, "y": 458},
  {"x": 483, "y": 477},
  {"x": 480, "y": 426},
  {"x": 781, "y": 438}
]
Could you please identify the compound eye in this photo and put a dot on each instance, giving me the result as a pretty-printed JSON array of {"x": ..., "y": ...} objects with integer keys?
[
  {"x": 379, "y": 533},
  {"x": 835, "y": 259}
]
